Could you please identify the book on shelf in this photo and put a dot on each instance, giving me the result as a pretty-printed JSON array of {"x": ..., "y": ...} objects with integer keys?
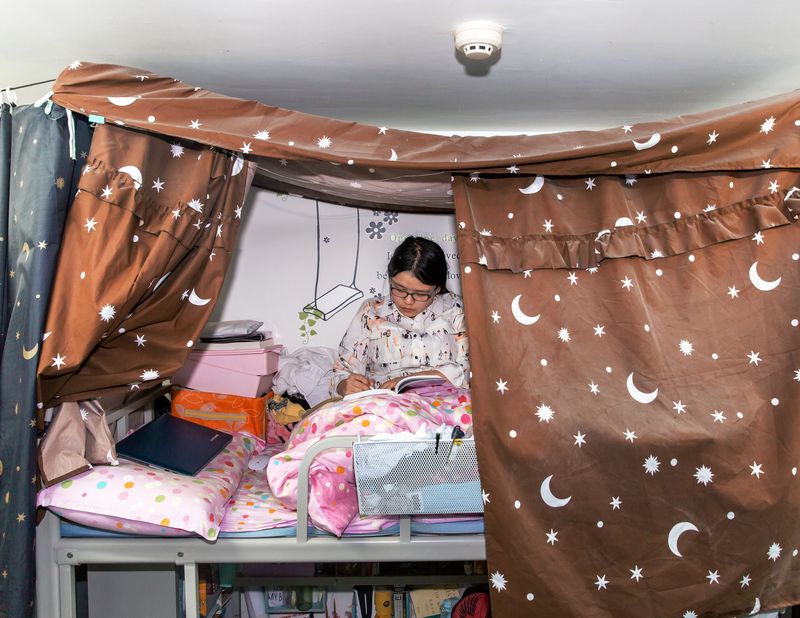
[{"x": 402, "y": 385}]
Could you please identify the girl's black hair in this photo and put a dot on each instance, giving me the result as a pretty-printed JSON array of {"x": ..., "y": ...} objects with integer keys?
[{"x": 423, "y": 258}]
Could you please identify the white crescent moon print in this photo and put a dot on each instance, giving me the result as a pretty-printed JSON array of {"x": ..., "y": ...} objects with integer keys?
[
  {"x": 675, "y": 534},
  {"x": 638, "y": 395},
  {"x": 135, "y": 173},
  {"x": 654, "y": 139},
  {"x": 394, "y": 156},
  {"x": 520, "y": 316},
  {"x": 29, "y": 354},
  {"x": 238, "y": 164},
  {"x": 121, "y": 101},
  {"x": 549, "y": 498},
  {"x": 534, "y": 187},
  {"x": 196, "y": 300},
  {"x": 759, "y": 283}
]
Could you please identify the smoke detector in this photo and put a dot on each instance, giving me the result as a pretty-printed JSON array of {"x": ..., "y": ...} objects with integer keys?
[{"x": 478, "y": 40}]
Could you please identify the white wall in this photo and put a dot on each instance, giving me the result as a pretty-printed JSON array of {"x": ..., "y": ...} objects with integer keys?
[{"x": 272, "y": 277}]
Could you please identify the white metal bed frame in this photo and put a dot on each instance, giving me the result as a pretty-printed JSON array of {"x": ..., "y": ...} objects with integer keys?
[{"x": 57, "y": 556}]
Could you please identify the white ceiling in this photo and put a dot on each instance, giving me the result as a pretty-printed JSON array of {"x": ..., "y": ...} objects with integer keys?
[{"x": 564, "y": 65}]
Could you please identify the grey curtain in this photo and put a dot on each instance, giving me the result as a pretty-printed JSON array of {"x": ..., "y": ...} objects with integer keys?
[{"x": 37, "y": 183}]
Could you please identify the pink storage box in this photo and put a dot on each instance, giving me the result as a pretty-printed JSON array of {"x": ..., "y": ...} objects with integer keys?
[
  {"x": 261, "y": 361},
  {"x": 247, "y": 373}
]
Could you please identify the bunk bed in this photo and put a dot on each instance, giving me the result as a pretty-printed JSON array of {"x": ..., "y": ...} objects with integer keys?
[{"x": 63, "y": 546}]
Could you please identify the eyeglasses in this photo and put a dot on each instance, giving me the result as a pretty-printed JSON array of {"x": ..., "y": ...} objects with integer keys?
[{"x": 416, "y": 296}]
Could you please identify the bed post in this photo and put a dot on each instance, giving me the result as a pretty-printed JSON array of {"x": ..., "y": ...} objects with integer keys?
[
  {"x": 190, "y": 590},
  {"x": 47, "y": 599}
]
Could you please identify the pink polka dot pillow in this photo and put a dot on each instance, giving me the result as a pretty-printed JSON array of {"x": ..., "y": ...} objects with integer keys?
[{"x": 136, "y": 499}]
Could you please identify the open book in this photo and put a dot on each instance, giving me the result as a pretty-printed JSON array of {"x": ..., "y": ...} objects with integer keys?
[{"x": 404, "y": 384}]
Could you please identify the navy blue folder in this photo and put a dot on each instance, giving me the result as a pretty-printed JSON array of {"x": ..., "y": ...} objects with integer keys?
[{"x": 174, "y": 444}]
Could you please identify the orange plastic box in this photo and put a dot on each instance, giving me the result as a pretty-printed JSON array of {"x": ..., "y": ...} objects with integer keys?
[{"x": 231, "y": 413}]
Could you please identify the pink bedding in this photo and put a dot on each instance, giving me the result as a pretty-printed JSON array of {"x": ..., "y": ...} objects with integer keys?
[{"x": 333, "y": 503}]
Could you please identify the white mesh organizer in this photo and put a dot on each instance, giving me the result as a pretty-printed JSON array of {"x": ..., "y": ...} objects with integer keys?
[{"x": 413, "y": 477}]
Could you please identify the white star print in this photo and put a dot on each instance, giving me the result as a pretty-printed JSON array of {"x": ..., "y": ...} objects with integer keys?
[
  {"x": 640, "y": 217},
  {"x": 513, "y": 169},
  {"x": 601, "y": 582},
  {"x": 219, "y": 230},
  {"x": 713, "y": 577},
  {"x": 580, "y": 439},
  {"x": 599, "y": 330},
  {"x": 158, "y": 185},
  {"x": 106, "y": 192},
  {"x": 552, "y": 536},
  {"x": 238, "y": 212},
  {"x": 324, "y": 142},
  {"x": 149, "y": 374},
  {"x": 107, "y": 312},
  {"x": 759, "y": 238},
  {"x": 704, "y": 475},
  {"x": 86, "y": 170},
  {"x": 195, "y": 124},
  {"x": 689, "y": 614},
  {"x": 656, "y": 254},
  {"x": 211, "y": 255},
  {"x": 90, "y": 224},
  {"x": 766, "y": 164},
  {"x": 745, "y": 581},
  {"x": 547, "y": 225},
  {"x": 563, "y": 335},
  {"x": 615, "y": 503},
  {"x": 679, "y": 407},
  {"x": 636, "y": 573},
  {"x": 593, "y": 270},
  {"x": 382, "y": 130},
  {"x": 774, "y": 552},
  {"x": 773, "y": 186},
  {"x": 58, "y": 360},
  {"x": 485, "y": 232},
  {"x": 573, "y": 279},
  {"x": 630, "y": 435},
  {"x": 710, "y": 207},
  {"x": 176, "y": 150},
  {"x": 527, "y": 274},
  {"x": 719, "y": 416},
  {"x": 594, "y": 388},
  {"x": 754, "y": 358},
  {"x": 651, "y": 465},
  {"x": 84, "y": 414},
  {"x": 485, "y": 497},
  {"x": 797, "y": 375},
  {"x": 733, "y": 292},
  {"x": 590, "y": 184},
  {"x": 262, "y": 135},
  {"x": 498, "y": 581},
  {"x": 185, "y": 295},
  {"x": 474, "y": 177},
  {"x": 627, "y": 128},
  {"x": 627, "y": 283},
  {"x": 712, "y": 137},
  {"x": 495, "y": 317},
  {"x": 767, "y": 125},
  {"x": 195, "y": 204},
  {"x": 176, "y": 213},
  {"x": 545, "y": 413},
  {"x": 755, "y": 470},
  {"x": 42, "y": 244},
  {"x": 501, "y": 386},
  {"x": 686, "y": 347},
  {"x": 140, "y": 341},
  {"x": 246, "y": 147},
  {"x": 630, "y": 180}
]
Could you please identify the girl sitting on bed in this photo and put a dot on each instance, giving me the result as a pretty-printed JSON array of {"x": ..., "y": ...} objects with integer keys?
[{"x": 418, "y": 329}]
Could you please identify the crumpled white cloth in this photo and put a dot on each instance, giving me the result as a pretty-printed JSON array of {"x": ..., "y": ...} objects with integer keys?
[{"x": 306, "y": 371}]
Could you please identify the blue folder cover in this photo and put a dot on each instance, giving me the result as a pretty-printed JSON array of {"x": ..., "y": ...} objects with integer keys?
[{"x": 174, "y": 444}]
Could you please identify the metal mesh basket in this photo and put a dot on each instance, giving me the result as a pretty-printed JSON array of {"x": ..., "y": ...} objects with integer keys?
[{"x": 413, "y": 477}]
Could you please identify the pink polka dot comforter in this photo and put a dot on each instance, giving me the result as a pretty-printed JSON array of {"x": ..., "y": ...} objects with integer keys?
[{"x": 333, "y": 503}]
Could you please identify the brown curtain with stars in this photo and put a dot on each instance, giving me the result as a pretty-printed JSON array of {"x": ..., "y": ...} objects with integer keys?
[
  {"x": 631, "y": 298},
  {"x": 145, "y": 250}
]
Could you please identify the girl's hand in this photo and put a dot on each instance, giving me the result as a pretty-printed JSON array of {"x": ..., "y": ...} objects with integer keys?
[{"x": 354, "y": 383}]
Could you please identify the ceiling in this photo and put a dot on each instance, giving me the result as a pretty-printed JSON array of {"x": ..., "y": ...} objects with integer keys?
[{"x": 564, "y": 64}]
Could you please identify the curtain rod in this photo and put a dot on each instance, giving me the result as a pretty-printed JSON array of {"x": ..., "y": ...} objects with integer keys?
[{"x": 46, "y": 81}]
